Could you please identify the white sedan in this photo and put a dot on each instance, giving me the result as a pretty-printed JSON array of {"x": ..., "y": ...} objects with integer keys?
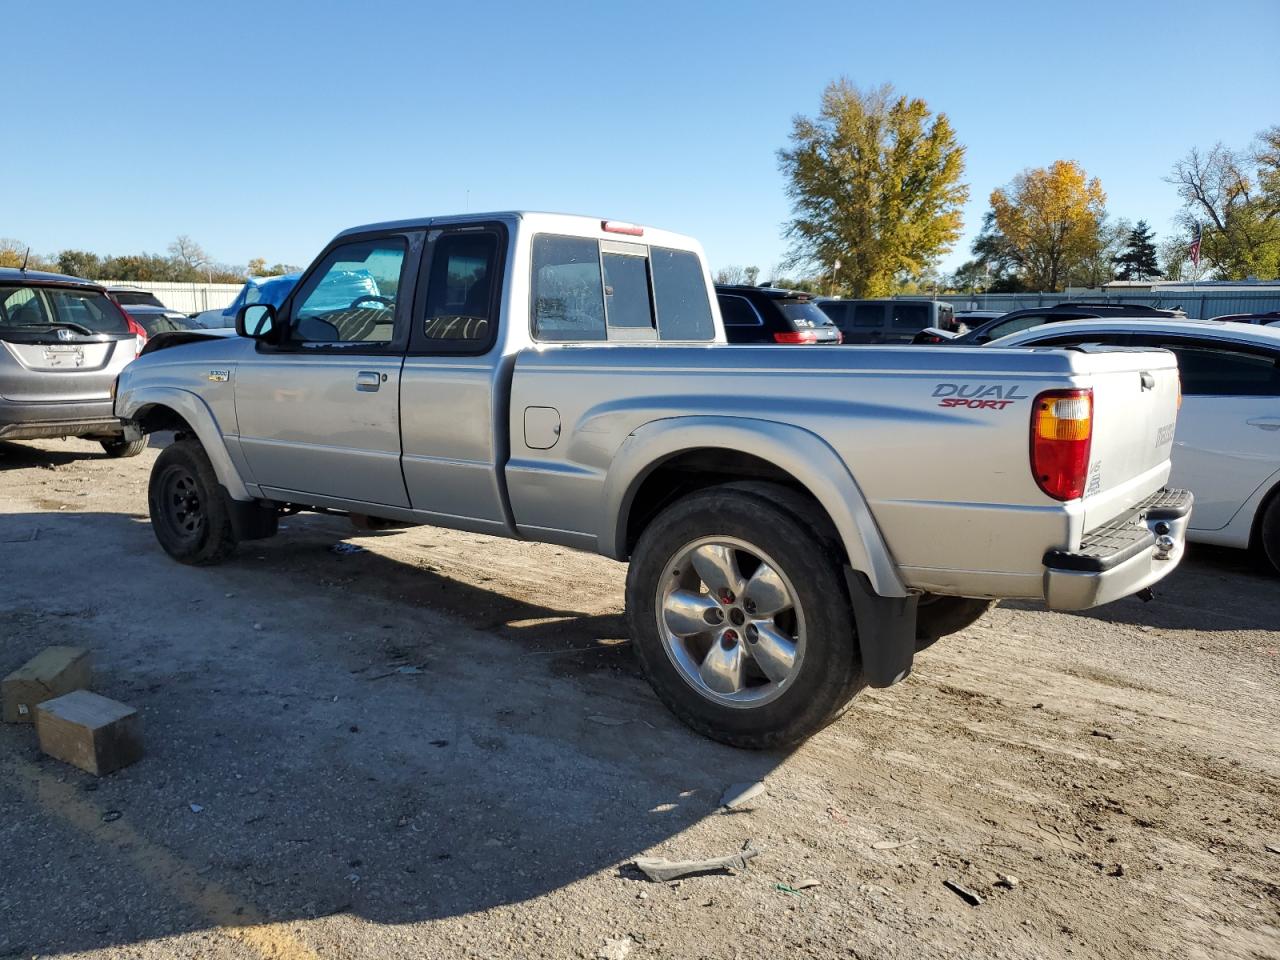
[{"x": 1227, "y": 445}]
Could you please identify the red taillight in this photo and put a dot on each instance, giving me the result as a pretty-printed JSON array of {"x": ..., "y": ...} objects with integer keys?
[
  {"x": 796, "y": 336},
  {"x": 1061, "y": 438},
  {"x": 617, "y": 226},
  {"x": 139, "y": 334}
]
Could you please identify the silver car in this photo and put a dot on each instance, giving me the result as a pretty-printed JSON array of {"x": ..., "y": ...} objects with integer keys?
[{"x": 62, "y": 344}]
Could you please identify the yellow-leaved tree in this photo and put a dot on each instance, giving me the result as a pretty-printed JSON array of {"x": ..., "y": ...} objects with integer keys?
[
  {"x": 874, "y": 182},
  {"x": 1050, "y": 220}
]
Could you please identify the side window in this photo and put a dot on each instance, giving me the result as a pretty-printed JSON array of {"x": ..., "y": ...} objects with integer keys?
[
  {"x": 627, "y": 305},
  {"x": 461, "y": 309},
  {"x": 568, "y": 291},
  {"x": 868, "y": 315},
  {"x": 837, "y": 311},
  {"x": 680, "y": 292},
  {"x": 910, "y": 316},
  {"x": 737, "y": 311},
  {"x": 351, "y": 296},
  {"x": 1016, "y": 325},
  {"x": 1212, "y": 371}
]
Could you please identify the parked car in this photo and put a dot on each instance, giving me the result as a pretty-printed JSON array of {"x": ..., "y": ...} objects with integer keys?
[
  {"x": 270, "y": 290},
  {"x": 1015, "y": 320},
  {"x": 155, "y": 320},
  {"x": 965, "y": 321},
  {"x": 773, "y": 315},
  {"x": 62, "y": 344},
  {"x": 1263, "y": 319},
  {"x": 798, "y": 522},
  {"x": 1227, "y": 447},
  {"x": 887, "y": 321},
  {"x": 131, "y": 296}
]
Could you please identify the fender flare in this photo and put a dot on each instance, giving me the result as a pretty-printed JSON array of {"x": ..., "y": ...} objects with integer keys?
[
  {"x": 197, "y": 414},
  {"x": 801, "y": 453}
]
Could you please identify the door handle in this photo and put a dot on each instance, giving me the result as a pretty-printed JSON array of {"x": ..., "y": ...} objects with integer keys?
[
  {"x": 1265, "y": 423},
  {"x": 368, "y": 380}
]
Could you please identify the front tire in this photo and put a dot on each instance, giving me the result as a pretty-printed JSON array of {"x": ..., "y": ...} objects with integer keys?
[
  {"x": 1269, "y": 533},
  {"x": 118, "y": 449},
  {"x": 741, "y": 619},
  {"x": 189, "y": 515}
]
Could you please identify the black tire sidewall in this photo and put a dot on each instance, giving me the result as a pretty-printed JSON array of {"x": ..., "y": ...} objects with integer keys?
[
  {"x": 217, "y": 539},
  {"x": 1269, "y": 533},
  {"x": 829, "y": 673},
  {"x": 119, "y": 449}
]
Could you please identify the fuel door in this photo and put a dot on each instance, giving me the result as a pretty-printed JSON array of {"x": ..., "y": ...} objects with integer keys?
[{"x": 541, "y": 427}]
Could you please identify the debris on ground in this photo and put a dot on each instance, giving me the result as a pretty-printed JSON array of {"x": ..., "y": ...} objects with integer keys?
[
  {"x": 196, "y": 808},
  {"x": 806, "y": 883},
  {"x": 1116, "y": 871},
  {"x": 740, "y": 794},
  {"x": 344, "y": 549},
  {"x": 111, "y": 816},
  {"x": 1273, "y": 848},
  {"x": 1103, "y": 734},
  {"x": 660, "y": 870},
  {"x": 90, "y": 732},
  {"x": 52, "y": 672},
  {"x": 1008, "y": 881},
  {"x": 893, "y": 844},
  {"x": 786, "y": 888},
  {"x": 968, "y": 896},
  {"x": 617, "y": 949}
]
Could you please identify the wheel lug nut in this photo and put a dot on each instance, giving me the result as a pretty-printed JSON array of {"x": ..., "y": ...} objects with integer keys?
[
  {"x": 728, "y": 639},
  {"x": 726, "y": 596}
]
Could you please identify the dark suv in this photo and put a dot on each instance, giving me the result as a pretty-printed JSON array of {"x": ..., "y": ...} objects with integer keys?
[
  {"x": 772, "y": 315},
  {"x": 1018, "y": 320}
]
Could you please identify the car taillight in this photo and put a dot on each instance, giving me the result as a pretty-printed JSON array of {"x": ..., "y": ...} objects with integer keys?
[
  {"x": 139, "y": 335},
  {"x": 1061, "y": 438},
  {"x": 796, "y": 336}
]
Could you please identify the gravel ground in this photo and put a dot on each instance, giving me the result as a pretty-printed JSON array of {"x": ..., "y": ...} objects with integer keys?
[{"x": 441, "y": 747}]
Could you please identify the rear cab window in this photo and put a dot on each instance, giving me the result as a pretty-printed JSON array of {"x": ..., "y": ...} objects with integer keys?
[{"x": 592, "y": 290}]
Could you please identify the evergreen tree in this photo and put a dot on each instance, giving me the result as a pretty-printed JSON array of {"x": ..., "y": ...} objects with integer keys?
[{"x": 1137, "y": 261}]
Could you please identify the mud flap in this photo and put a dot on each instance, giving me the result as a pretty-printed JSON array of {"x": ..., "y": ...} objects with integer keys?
[
  {"x": 251, "y": 519},
  {"x": 886, "y": 631}
]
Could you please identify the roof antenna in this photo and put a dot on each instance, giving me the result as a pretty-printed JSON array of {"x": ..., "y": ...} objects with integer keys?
[{"x": 25, "y": 257}]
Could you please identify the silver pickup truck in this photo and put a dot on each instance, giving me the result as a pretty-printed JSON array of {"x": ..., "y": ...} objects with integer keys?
[{"x": 798, "y": 521}]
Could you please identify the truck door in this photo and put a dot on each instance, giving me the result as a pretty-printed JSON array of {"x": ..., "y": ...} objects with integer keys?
[
  {"x": 454, "y": 391},
  {"x": 319, "y": 415}
]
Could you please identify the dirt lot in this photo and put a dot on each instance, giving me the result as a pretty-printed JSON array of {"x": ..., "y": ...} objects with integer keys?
[{"x": 306, "y": 795}]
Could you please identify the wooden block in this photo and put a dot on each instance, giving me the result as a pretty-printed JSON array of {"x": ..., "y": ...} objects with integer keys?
[
  {"x": 90, "y": 732},
  {"x": 50, "y": 673}
]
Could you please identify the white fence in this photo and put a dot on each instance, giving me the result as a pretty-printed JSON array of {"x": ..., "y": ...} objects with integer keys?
[{"x": 186, "y": 297}]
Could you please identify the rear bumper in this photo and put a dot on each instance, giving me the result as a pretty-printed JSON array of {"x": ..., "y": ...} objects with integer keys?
[
  {"x": 29, "y": 421},
  {"x": 1121, "y": 557}
]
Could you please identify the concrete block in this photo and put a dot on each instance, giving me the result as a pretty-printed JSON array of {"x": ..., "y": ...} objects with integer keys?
[
  {"x": 90, "y": 732},
  {"x": 50, "y": 673}
]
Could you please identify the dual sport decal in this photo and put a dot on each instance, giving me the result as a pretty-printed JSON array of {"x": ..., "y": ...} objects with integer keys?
[{"x": 978, "y": 396}]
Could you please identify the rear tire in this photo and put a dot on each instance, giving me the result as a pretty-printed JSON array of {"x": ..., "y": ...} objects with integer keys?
[
  {"x": 189, "y": 514},
  {"x": 1269, "y": 533},
  {"x": 118, "y": 449},
  {"x": 937, "y": 616},
  {"x": 803, "y": 612}
]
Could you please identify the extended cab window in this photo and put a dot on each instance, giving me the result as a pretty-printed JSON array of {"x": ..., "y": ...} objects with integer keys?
[
  {"x": 351, "y": 296},
  {"x": 568, "y": 292},
  {"x": 680, "y": 289},
  {"x": 461, "y": 311}
]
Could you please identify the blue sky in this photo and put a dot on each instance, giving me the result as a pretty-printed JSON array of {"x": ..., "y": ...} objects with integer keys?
[{"x": 263, "y": 129}]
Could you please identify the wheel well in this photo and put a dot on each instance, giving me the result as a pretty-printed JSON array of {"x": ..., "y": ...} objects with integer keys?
[
  {"x": 157, "y": 417},
  {"x": 695, "y": 470},
  {"x": 1255, "y": 535}
]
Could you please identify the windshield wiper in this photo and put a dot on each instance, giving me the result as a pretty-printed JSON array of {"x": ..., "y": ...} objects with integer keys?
[{"x": 77, "y": 327}]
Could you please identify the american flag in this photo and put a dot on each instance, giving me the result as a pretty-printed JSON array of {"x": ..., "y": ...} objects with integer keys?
[{"x": 1195, "y": 246}]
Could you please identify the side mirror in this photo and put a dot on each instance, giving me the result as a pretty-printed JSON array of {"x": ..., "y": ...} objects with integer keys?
[{"x": 256, "y": 321}]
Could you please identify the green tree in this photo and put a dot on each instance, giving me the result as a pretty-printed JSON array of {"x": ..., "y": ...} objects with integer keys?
[
  {"x": 874, "y": 182},
  {"x": 80, "y": 263},
  {"x": 257, "y": 267},
  {"x": 1050, "y": 219},
  {"x": 1234, "y": 196},
  {"x": 1137, "y": 259}
]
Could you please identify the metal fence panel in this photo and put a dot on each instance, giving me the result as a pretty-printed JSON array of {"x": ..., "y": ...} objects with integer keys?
[
  {"x": 1195, "y": 303},
  {"x": 185, "y": 297}
]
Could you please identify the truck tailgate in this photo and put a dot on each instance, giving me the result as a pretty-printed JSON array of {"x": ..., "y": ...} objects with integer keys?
[{"x": 1135, "y": 407}]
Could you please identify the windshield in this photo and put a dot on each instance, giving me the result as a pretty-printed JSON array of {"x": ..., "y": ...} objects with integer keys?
[
  {"x": 804, "y": 313},
  {"x": 36, "y": 307}
]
